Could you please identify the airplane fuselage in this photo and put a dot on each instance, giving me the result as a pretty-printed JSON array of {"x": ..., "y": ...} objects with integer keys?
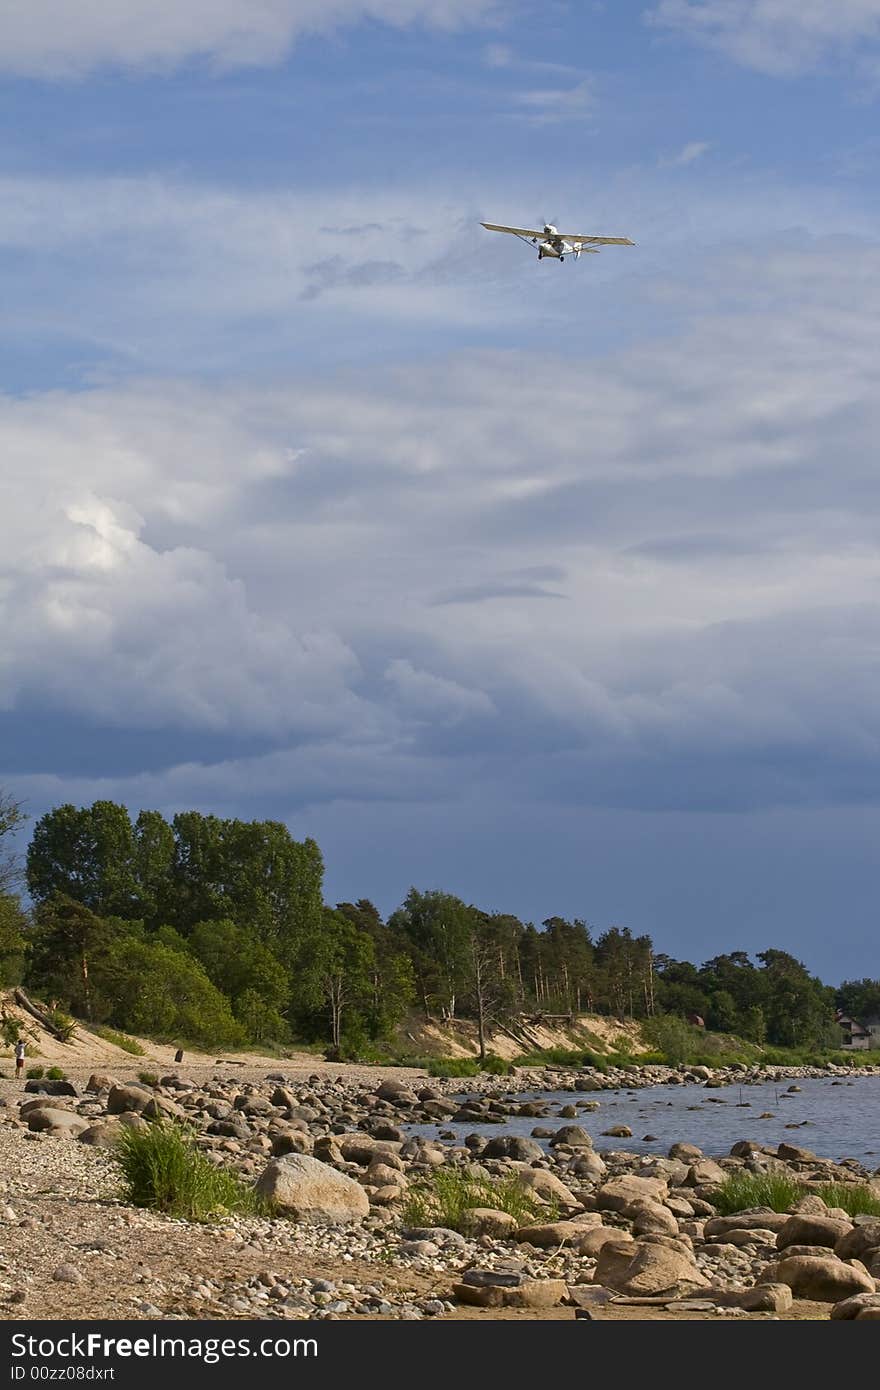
[{"x": 552, "y": 245}]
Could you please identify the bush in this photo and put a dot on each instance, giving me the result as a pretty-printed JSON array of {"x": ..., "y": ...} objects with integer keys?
[
  {"x": 64, "y": 1025},
  {"x": 741, "y": 1191},
  {"x": 453, "y": 1066},
  {"x": 162, "y": 1169},
  {"x": 10, "y": 1030},
  {"x": 56, "y": 1074},
  {"x": 34, "y": 1073},
  {"x": 121, "y": 1040},
  {"x": 671, "y": 1036},
  {"x": 447, "y": 1195},
  {"x": 148, "y": 1078},
  {"x": 855, "y": 1198}
]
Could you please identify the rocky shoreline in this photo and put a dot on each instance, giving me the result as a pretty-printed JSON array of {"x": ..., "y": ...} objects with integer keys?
[{"x": 606, "y": 1235}]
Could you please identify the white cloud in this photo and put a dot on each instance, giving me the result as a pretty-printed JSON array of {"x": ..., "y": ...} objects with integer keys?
[
  {"x": 778, "y": 37},
  {"x": 549, "y": 105},
  {"x": 68, "y": 38},
  {"x": 689, "y": 154},
  {"x": 356, "y": 564}
]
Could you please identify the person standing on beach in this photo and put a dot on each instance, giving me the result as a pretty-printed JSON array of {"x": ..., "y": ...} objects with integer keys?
[{"x": 19, "y": 1058}]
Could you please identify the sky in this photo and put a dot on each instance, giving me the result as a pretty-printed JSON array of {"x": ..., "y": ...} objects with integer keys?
[{"x": 553, "y": 586}]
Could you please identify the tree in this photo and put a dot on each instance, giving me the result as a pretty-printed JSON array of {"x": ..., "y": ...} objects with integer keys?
[
  {"x": 392, "y": 984},
  {"x": 860, "y": 998},
  {"x": 87, "y": 855},
  {"x": 156, "y": 991},
  {"x": 68, "y": 941},
  {"x": 436, "y": 928},
  {"x": 13, "y": 939},
  {"x": 491, "y": 992},
  {"x": 12, "y": 818},
  {"x": 342, "y": 968}
]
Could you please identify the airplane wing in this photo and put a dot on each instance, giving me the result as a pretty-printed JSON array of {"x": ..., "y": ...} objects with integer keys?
[
  {"x": 514, "y": 231},
  {"x": 597, "y": 240}
]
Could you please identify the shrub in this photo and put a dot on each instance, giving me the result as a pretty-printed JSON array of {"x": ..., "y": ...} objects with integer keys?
[
  {"x": 855, "y": 1198},
  {"x": 34, "y": 1073},
  {"x": 10, "y": 1030},
  {"x": 453, "y": 1066},
  {"x": 444, "y": 1198},
  {"x": 162, "y": 1169},
  {"x": 148, "y": 1078},
  {"x": 64, "y": 1025},
  {"x": 774, "y": 1190},
  {"x": 495, "y": 1066},
  {"x": 56, "y": 1074},
  {"x": 671, "y": 1036}
]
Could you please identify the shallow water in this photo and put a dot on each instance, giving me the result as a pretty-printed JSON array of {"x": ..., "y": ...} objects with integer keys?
[{"x": 836, "y": 1119}]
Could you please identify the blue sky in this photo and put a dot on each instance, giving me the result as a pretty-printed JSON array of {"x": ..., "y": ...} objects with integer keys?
[{"x": 555, "y": 586}]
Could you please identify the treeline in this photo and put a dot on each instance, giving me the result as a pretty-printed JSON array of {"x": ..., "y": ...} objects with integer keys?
[{"x": 215, "y": 931}]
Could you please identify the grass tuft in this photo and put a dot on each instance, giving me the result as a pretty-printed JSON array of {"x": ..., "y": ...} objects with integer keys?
[
  {"x": 121, "y": 1040},
  {"x": 163, "y": 1170},
  {"x": 447, "y": 1195},
  {"x": 855, "y": 1198},
  {"x": 742, "y": 1191}
]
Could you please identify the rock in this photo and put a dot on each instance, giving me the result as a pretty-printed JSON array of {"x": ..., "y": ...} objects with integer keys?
[
  {"x": 547, "y": 1186},
  {"x": 554, "y": 1233},
  {"x": 705, "y": 1174},
  {"x": 101, "y": 1081},
  {"x": 513, "y": 1146},
  {"x": 647, "y": 1270},
  {"x": 688, "y": 1153},
  {"x": 291, "y": 1141},
  {"x": 812, "y": 1230},
  {"x": 307, "y": 1190},
  {"x": 763, "y": 1298},
  {"x": 621, "y": 1192},
  {"x": 131, "y": 1097},
  {"x": 67, "y": 1274},
  {"x": 855, "y": 1307},
  {"x": 652, "y": 1219},
  {"x": 574, "y": 1136},
  {"x": 755, "y": 1218},
  {"x": 618, "y": 1132},
  {"x": 52, "y": 1088},
  {"x": 486, "y": 1221},
  {"x": 744, "y": 1148},
  {"x": 530, "y": 1293},
  {"x": 826, "y": 1280},
  {"x": 858, "y": 1241},
  {"x": 60, "y": 1123},
  {"x": 398, "y": 1092},
  {"x": 594, "y": 1238},
  {"x": 792, "y": 1154},
  {"x": 105, "y": 1135},
  {"x": 745, "y": 1236}
]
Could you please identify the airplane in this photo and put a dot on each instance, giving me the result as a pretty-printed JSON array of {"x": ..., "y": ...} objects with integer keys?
[{"x": 556, "y": 245}]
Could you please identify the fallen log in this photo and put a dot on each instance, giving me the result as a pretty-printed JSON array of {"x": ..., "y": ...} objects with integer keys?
[{"x": 44, "y": 1019}]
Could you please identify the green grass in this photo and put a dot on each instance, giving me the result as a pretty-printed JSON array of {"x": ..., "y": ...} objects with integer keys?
[
  {"x": 35, "y": 1073},
  {"x": 148, "y": 1078},
  {"x": 563, "y": 1057},
  {"x": 56, "y": 1074},
  {"x": 445, "y": 1197},
  {"x": 744, "y": 1190},
  {"x": 855, "y": 1198},
  {"x": 163, "y": 1170},
  {"x": 121, "y": 1040}
]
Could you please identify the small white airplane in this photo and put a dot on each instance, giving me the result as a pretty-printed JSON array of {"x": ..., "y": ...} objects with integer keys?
[{"x": 556, "y": 245}]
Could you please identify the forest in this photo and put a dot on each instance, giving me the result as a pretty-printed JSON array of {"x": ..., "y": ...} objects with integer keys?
[{"x": 215, "y": 932}]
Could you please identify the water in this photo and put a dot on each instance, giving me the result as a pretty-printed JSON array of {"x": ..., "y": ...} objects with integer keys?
[{"x": 835, "y": 1121}]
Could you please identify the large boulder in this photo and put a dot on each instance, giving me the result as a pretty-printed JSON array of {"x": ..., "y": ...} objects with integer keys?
[
  {"x": 47, "y": 1119},
  {"x": 622, "y": 1192},
  {"x": 546, "y": 1185},
  {"x": 487, "y": 1221},
  {"x": 760, "y": 1218},
  {"x": 556, "y": 1233},
  {"x": 824, "y": 1280},
  {"x": 48, "y": 1087},
  {"x": 858, "y": 1241},
  {"x": 130, "y": 1097},
  {"x": 513, "y": 1146},
  {"x": 812, "y": 1230},
  {"x": 862, "y": 1306},
  {"x": 305, "y": 1189},
  {"x": 574, "y": 1136},
  {"x": 647, "y": 1270},
  {"x": 100, "y": 1081}
]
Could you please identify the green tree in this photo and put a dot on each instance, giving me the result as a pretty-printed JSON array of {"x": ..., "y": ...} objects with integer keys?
[
  {"x": 13, "y": 939},
  {"x": 68, "y": 941},
  {"x": 87, "y": 855},
  {"x": 436, "y": 928},
  {"x": 12, "y": 818},
  {"x": 159, "y": 992},
  {"x": 341, "y": 969}
]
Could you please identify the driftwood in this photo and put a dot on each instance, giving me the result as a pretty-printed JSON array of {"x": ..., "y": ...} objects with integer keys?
[{"x": 40, "y": 1015}]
